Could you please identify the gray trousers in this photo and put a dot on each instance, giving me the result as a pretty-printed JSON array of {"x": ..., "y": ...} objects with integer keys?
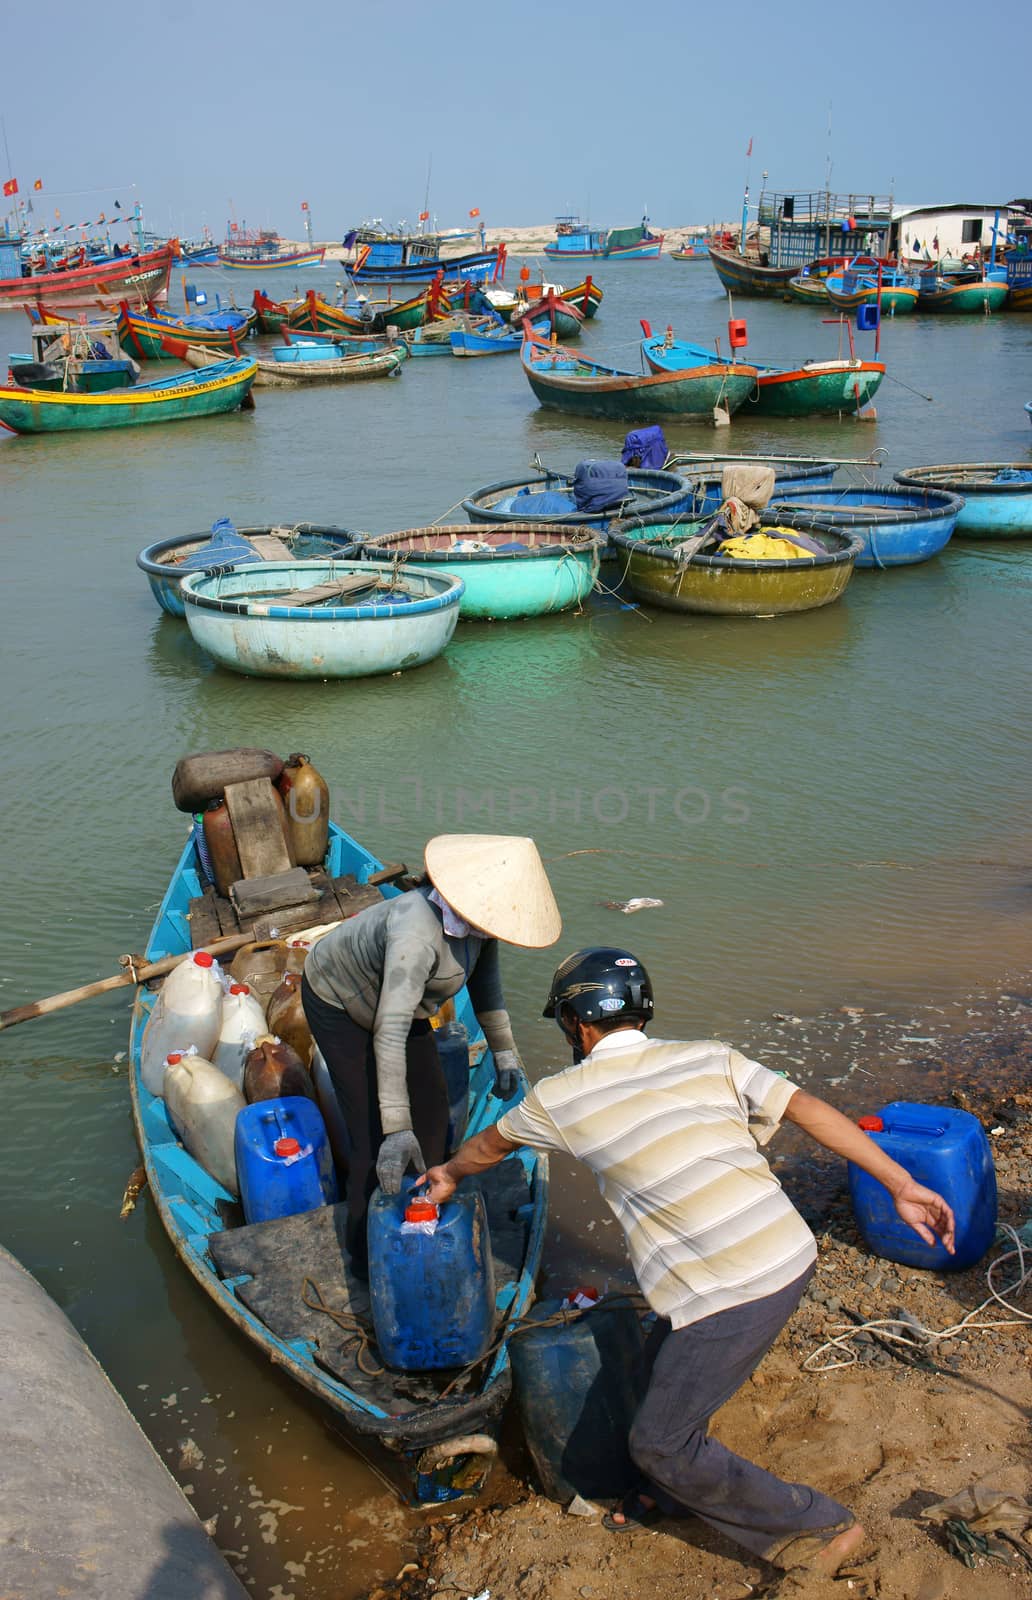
[{"x": 695, "y": 1370}]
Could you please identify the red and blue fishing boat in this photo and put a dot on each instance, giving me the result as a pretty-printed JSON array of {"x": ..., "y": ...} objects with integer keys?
[
  {"x": 576, "y": 241},
  {"x": 419, "y": 260},
  {"x": 140, "y": 277}
]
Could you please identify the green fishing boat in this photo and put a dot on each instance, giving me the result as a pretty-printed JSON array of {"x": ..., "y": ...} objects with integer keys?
[
  {"x": 963, "y": 295},
  {"x": 222, "y": 386}
]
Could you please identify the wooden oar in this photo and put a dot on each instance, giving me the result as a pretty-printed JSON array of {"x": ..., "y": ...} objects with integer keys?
[
  {"x": 688, "y": 457},
  {"x": 137, "y": 971}
]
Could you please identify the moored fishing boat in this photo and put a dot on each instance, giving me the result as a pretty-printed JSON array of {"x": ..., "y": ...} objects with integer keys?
[
  {"x": 810, "y": 285},
  {"x": 271, "y": 315},
  {"x": 223, "y": 386},
  {"x": 749, "y": 274},
  {"x": 240, "y": 259},
  {"x": 896, "y": 526},
  {"x": 997, "y": 495},
  {"x": 512, "y": 304},
  {"x": 529, "y": 570},
  {"x": 662, "y": 573},
  {"x": 168, "y": 561},
  {"x": 695, "y": 247},
  {"x": 479, "y": 337},
  {"x": 575, "y": 240},
  {"x": 565, "y": 381},
  {"x": 431, "y": 1444},
  {"x": 418, "y": 259},
  {"x": 551, "y": 498},
  {"x": 720, "y": 383},
  {"x": 321, "y": 619},
  {"x": 315, "y": 315},
  {"x": 102, "y": 284},
  {"x": 345, "y": 368},
  {"x": 145, "y": 332},
  {"x": 962, "y": 293},
  {"x": 893, "y": 289}
]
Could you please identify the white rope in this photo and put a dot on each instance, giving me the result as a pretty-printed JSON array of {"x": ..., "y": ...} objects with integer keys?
[{"x": 928, "y": 1338}]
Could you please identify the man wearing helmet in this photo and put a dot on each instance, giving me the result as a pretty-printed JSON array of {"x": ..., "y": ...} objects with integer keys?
[{"x": 672, "y": 1131}]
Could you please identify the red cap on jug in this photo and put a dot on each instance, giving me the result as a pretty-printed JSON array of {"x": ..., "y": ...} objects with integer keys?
[
  {"x": 203, "y": 958},
  {"x": 239, "y": 988},
  {"x": 286, "y": 1147},
  {"x": 170, "y": 1061},
  {"x": 871, "y": 1124},
  {"x": 420, "y": 1211}
]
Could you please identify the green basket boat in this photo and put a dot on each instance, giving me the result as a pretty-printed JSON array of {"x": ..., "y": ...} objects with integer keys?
[
  {"x": 657, "y": 571},
  {"x": 515, "y": 569}
]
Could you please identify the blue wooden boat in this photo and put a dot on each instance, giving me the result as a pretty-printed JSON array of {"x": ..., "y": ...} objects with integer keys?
[
  {"x": 565, "y": 381},
  {"x": 548, "y": 498},
  {"x": 430, "y": 1445},
  {"x": 527, "y": 571},
  {"x": 576, "y": 241},
  {"x": 419, "y": 260},
  {"x": 896, "y": 526},
  {"x": 720, "y": 383},
  {"x": 706, "y": 474},
  {"x": 223, "y": 386},
  {"x": 895, "y": 289},
  {"x": 168, "y": 561},
  {"x": 997, "y": 496},
  {"x": 488, "y": 340},
  {"x": 321, "y": 619}
]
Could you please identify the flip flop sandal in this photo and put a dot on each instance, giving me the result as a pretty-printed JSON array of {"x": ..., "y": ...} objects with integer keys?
[{"x": 635, "y": 1512}]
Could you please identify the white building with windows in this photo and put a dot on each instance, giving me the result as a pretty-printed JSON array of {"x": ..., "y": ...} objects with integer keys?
[{"x": 938, "y": 233}]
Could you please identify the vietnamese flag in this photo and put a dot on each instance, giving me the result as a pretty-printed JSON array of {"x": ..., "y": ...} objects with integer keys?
[
  {"x": 10, "y": 188},
  {"x": 38, "y": 183},
  {"x": 475, "y": 212},
  {"x": 304, "y": 205}
]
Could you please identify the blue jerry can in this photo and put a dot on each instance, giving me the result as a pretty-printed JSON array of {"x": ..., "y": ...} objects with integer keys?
[
  {"x": 946, "y": 1150},
  {"x": 431, "y": 1280},
  {"x": 578, "y": 1386},
  {"x": 283, "y": 1159}
]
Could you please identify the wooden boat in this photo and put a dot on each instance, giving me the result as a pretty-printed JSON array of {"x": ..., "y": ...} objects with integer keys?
[
  {"x": 74, "y": 357},
  {"x": 102, "y": 284},
  {"x": 418, "y": 259},
  {"x": 896, "y": 526},
  {"x": 810, "y": 285},
  {"x": 718, "y": 383},
  {"x": 694, "y": 248},
  {"x": 565, "y": 381},
  {"x": 749, "y": 275},
  {"x": 586, "y": 296},
  {"x": 275, "y": 261},
  {"x": 705, "y": 474},
  {"x": 576, "y": 241},
  {"x": 997, "y": 495},
  {"x": 817, "y": 388},
  {"x": 315, "y": 315},
  {"x": 321, "y": 619},
  {"x": 548, "y": 499},
  {"x": 271, "y": 315},
  {"x": 431, "y": 1446},
  {"x": 167, "y": 562},
  {"x": 330, "y": 347},
  {"x": 355, "y": 368},
  {"x": 962, "y": 293},
  {"x": 224, "y": 386},
  {"x": 657, "y": 572},
  {"x": 432, "y": 339},
  {"x": 483, "y": 338},
  {"x": 145, "y": 332},
  {"x": 895, "y": 290},
  {"x": 530, "y": 570}
]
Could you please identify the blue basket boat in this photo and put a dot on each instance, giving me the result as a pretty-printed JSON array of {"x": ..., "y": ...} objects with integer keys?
[
  {"x": 430, "y": 1445},
  {"x": 896, "y": 526},
  {"x": 997, "y": 496},
  {"x": 168, "y": 561},
  {"x": 529, "y": 570},
  {"x": 321, "y": 619},
  {"x": 549, "y": 498},
  {"x": 706, "y": 474}
]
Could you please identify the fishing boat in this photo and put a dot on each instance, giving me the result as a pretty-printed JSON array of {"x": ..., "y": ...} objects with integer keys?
[
  {"x": 576, "y": 241},
  {"x": 964, "y": 293},
  {"x": 315, "y": 315},
  {"x": 664, "y": 566},
  {"x": 512, "y": 304},
  {"x": 345, "y": 368},
  {"x": 896, "y": 526},
  {"x": 330, "y": 347},
  {"x": 705, "y": 475},
  {"x": 549, "y": 498},
  {"x": 271, "y": 315},
  {"x": 146, "y": 332},
  {"x": 565, "y": 381},
  {"x": 531, "y": 570},
  {"x": 321, "y": 619},
  {"x": 792, "y": 230},
  {"x": 694, "y": 247},
  {"x": 892, "y": 288},
  {"x": 223, "y": 386},
  {"x": 1019, "y": 280},
  {"x": 997, "y": 495},
  {"x": 433, "y": 338},
  {"x": 140, "y": 277},
  {"x": 168, "y": 561},
  {"x": 719, "y": 383},
  {"x": 810, "y": 285},
  {"x": 750, "y": 274},
  {"x": 817, "y": 388},
  {"x": 431, "y": 1445},
  {"x": 265, "y": 252},
  {"x": 484, "y": 339},
  {"x": 418, "y": 259},
  {"x": 74, "y": 357}
]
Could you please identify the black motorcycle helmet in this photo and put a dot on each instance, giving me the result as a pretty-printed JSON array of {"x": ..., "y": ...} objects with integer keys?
[{"x": 601, "y": 984}]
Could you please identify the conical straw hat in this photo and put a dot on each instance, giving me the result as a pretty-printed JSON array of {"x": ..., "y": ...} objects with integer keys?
[{"x": 498, "y": 884}]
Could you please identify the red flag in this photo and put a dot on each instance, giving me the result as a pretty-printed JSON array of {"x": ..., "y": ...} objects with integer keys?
[
  {"x": 38, "y": 183},
  {"x": 232, "y": 227},
  {"x": 475, "y": 212},
  {"x": 748, "y": 153},
  {"x": 424, "y": 216},
  {"x": 304, "y": 205},
  {"x": 10, "y": 187}
]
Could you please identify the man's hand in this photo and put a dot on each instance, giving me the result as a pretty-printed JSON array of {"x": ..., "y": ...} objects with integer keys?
[
  {"x": 926, "y": 1212},
  {"x": 441, "y": 1184}
]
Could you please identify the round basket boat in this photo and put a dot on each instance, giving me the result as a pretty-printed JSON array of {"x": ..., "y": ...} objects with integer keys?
[
  {"x": 322, "y": 619},
  {"x": 706, "y": 473},
  {"x": 659, "y": 573},
  {"x": 168, "y": 562},
  {"x": 997, "y": 495},
  {"x": 549, "y": 498},
  {"x": 525, "y": 569},
  {"x": 896, "y": 526}
]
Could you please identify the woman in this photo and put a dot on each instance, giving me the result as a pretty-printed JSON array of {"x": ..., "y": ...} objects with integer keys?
[{"x": 370, "y": 986}]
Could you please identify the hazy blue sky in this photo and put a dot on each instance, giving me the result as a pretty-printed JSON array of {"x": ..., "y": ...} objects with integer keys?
[{"x": 522, "y": 110}]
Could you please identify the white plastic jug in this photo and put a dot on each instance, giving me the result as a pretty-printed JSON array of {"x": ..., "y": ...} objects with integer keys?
[
  {"x": 187, "y": 1012},
  {"x": 203, "y": 1106},
  {"x": 243, "y": 1023}
]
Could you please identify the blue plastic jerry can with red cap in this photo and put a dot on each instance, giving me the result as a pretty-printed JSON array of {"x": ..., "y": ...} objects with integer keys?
[
  {"x": 283, "y": 1158},
  {"x": 946, "y": 1150}
]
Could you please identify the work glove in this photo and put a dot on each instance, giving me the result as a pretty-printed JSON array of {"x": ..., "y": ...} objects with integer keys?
[
  {"x": 508, "y": 1073},
  {"x": 398, "y": 1152}
]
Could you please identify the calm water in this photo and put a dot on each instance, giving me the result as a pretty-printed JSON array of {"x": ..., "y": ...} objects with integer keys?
[{"x": 832, "y": 807}]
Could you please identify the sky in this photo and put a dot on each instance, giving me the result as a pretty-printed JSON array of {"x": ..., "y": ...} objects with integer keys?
[{"x": 207, "y": 112}]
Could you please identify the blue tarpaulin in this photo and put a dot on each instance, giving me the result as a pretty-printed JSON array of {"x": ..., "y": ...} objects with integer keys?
[
  {"x": 225, "y": 547},
  {"x": 599, "y": 484},
  {"x": 648, "y": 445}
]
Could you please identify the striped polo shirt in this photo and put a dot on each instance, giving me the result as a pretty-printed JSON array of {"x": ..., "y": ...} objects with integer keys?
[{"x": 671, "y": 1131}]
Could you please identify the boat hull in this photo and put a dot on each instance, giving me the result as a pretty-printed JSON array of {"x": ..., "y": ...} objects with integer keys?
[
  {"x": 138, "y": 278},
  {"x": 559, "y": 381},
  {"x": 305, "y": 541},
  {"x": 36, "y": 411},
  {"x": 897, "y": 301},
  {"x": 556, "y": 572},
  {"x": 746, "y": 277},
  {"x": 289, "y": 259},
  {"x": 474, "y": 267},
  {"x": 313, "y": 315},
  {"x": 841, "y": 388},
  {"x": 992, "y": 509},
  {"x": 965, "y": 299},
  {"x": 145, "y": 336},
  {"x": 897, "y": 527},
  {"x": 263, "y": 639},
  {"x": 346, "y": 369},
  {"x": 720, "y": 586},
  {"x": 652, "y": 493}
]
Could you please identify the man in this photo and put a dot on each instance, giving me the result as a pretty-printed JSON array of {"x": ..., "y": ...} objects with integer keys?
[{"x": 672, "y": 1131}]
